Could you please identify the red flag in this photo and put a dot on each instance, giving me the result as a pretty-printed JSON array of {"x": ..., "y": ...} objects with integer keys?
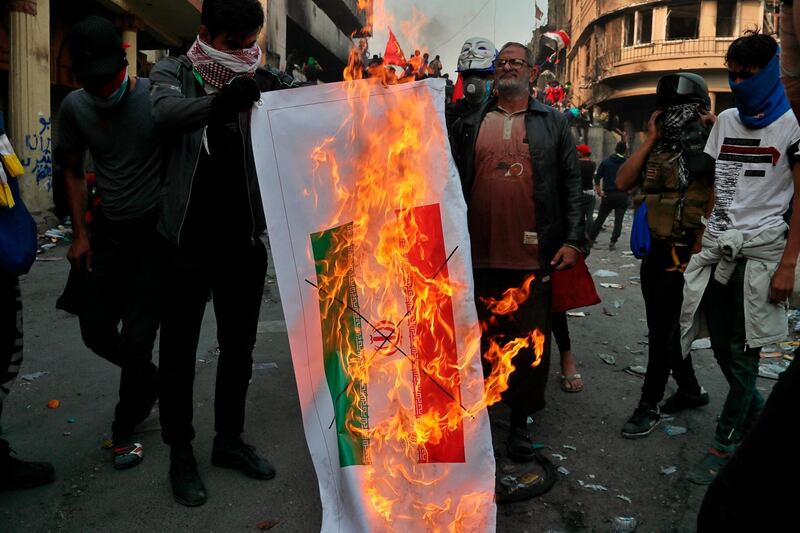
[
  {"x": 539, "y": 13},
  {"x": 393, "y": 55},
  {"x": 458, "y": 90}
]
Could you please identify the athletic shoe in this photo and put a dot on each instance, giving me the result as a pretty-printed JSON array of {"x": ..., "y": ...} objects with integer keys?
[
  {"x": 128, "y": 455},
  {"x": 642, "y": 423},
  {"x": 233, "y": 453},
  {"x": 187, "y": 487},
  {"x": 520, "y": 445},
  {"x": 705, "y": 471}
]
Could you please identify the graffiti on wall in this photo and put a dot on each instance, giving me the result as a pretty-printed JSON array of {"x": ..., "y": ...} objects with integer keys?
[{"x": 37, "y": 154}]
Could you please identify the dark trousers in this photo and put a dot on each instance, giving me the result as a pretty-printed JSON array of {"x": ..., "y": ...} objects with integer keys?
[
  {"x": 748, "y": 483},
  {"x": 120, "y": 307},
  {"x": 663, "y": 296},
  {"x": 589, "y": 201},
  {"x": 561, "y": 332},
  {"x": 10, "y": 333},
  {"x": 612, "y": 201},
  {"x": 525, "y": 394},
  {"x": 724, "y": 309},
  {"x": 234, "y": 274}
]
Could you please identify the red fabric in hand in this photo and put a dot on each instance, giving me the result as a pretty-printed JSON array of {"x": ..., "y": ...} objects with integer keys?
[{"x": 573, "y": 288}]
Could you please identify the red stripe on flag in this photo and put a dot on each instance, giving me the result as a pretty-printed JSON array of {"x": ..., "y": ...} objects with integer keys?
[{"x": 433, "y": 343}]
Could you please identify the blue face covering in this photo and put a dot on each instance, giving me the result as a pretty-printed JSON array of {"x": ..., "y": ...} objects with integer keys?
[
  {"x": 113, "y": 99},
  {"x": 761, "y": 99}
]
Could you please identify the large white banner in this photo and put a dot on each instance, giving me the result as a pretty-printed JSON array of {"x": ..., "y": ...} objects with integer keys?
[{"x": 368, "y": 229}]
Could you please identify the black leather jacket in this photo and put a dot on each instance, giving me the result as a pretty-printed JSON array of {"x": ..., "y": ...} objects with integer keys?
[
  {"x": 182, "y": 110},
  {"x": 557, "y": 175}
]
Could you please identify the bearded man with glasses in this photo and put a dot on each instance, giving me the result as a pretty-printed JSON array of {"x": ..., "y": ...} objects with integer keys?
[{"x": 521, "y": 181}]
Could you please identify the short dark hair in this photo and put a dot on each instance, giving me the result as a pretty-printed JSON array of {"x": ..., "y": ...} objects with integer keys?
[
  {"x": 621, "y": 147},
  {"x": 752, "y": 50},
  {"x": 238, "y": 17},
  {"x": 529, "y": 56}
]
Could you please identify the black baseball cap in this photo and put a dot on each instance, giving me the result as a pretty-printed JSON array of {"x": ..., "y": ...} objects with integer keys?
[{"x": 95, "y": 48}]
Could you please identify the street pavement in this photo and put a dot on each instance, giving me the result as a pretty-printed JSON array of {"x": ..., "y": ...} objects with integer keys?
[{"x": 89, "y": 495}]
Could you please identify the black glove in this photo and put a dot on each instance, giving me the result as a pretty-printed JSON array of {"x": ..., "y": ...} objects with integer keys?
[{"x": 239, "y": 95}]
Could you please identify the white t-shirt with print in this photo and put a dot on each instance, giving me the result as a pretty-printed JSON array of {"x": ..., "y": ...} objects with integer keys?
[{"x": 753, "y": 178}]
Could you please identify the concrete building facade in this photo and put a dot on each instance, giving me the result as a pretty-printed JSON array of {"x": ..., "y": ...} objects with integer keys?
[
  {"x": 319, "y": 28},
  {"x": 36, "y": 73},
  {"x": 621, "y": 48}
]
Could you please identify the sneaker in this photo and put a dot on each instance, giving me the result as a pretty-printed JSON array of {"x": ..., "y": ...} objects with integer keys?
[
  {"x": 128, "y": 455},
  {"x": 187, "y": 487},
  {"x": 642, "y": 423},
  {"x": 520, "y": 445},
  {"x": 16, "y": 474},
  {"x": 612, "y": 246},
  {"x": 705, "y": 471},
  {"x": 680, "y": 401},
  {"x": 233, "y": 453}
]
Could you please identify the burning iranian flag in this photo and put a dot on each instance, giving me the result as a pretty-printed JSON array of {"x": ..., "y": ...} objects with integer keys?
[{"x": 368, "y": 230}]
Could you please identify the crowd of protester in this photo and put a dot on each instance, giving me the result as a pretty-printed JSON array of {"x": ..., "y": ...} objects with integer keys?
[{"x": 717, "y": 228}]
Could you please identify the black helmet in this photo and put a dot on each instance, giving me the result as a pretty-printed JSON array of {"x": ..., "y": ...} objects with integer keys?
[{"x": 682, "y": 88}]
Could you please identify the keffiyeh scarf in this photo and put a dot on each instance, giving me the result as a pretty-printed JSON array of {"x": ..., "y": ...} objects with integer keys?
[
  {"x": 218, "y": 67},
  {"x": 676, "y": 118}
]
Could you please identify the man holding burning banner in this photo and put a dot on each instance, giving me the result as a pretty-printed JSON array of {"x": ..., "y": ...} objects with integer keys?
[
  {"x": 521, "y": 180},
  {"x": 211, "y": 213}
]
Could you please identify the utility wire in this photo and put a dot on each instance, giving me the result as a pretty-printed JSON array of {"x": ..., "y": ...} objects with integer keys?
[{"x": 465, "y": 25}]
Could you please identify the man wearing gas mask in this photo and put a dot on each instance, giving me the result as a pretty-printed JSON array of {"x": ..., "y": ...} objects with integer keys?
[
  {"x": 676, "y": 178},
  {"x": 475, "y": 75},
  {"x": 521, "y": 181}
]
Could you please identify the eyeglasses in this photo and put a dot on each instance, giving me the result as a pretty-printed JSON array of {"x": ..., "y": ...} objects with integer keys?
[{"x": 515, "y": 63}]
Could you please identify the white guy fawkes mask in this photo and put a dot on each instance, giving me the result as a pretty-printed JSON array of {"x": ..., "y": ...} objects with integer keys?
[{"x": 477, "y": 53}]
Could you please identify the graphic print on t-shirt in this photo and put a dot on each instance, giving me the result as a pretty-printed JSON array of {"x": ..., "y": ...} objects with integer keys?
[
  {"x": 753, "y": 176},
  {"x": 734, "y": 154}
]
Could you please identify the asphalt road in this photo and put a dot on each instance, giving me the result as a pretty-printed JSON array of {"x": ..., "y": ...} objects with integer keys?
[{"x": 89, "y": 495}]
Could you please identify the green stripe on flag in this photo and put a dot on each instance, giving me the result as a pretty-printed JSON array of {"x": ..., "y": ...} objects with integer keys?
[{"x": 342, "y": 342}]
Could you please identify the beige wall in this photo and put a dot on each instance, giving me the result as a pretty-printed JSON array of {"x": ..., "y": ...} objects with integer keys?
[
  {"x": 597, "y": 57},
  {"x": 29, "y": 102}
]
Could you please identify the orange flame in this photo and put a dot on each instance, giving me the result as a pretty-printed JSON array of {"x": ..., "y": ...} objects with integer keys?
[
  {"x": 511, "y": 300},
  {"x": 373, "y": 261}
]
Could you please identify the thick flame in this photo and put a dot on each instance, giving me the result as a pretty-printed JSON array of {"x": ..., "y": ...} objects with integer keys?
[
  {"x": 511, "y": 300},
  {"x": 373, "y": 261}
]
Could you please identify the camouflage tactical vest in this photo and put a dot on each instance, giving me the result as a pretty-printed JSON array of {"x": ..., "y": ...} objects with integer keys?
[{"x": 674, "y": 209}]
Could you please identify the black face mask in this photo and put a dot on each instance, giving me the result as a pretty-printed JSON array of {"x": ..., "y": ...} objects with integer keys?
[{"x": 477, "y": 90}]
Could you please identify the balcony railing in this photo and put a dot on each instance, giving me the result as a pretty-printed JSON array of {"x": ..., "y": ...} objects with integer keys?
[{"x": 657, "y": 50}]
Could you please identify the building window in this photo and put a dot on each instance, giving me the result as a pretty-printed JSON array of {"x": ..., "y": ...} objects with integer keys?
[
  {"x": 683, "y": 21},
  {"x": 772, "y": 18},
  {"x": 637, "y": 28},
  {"x": 628, "y": 29},
  {"x": 726, "y": 18},
  {"x": 644, "y": 27}
]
